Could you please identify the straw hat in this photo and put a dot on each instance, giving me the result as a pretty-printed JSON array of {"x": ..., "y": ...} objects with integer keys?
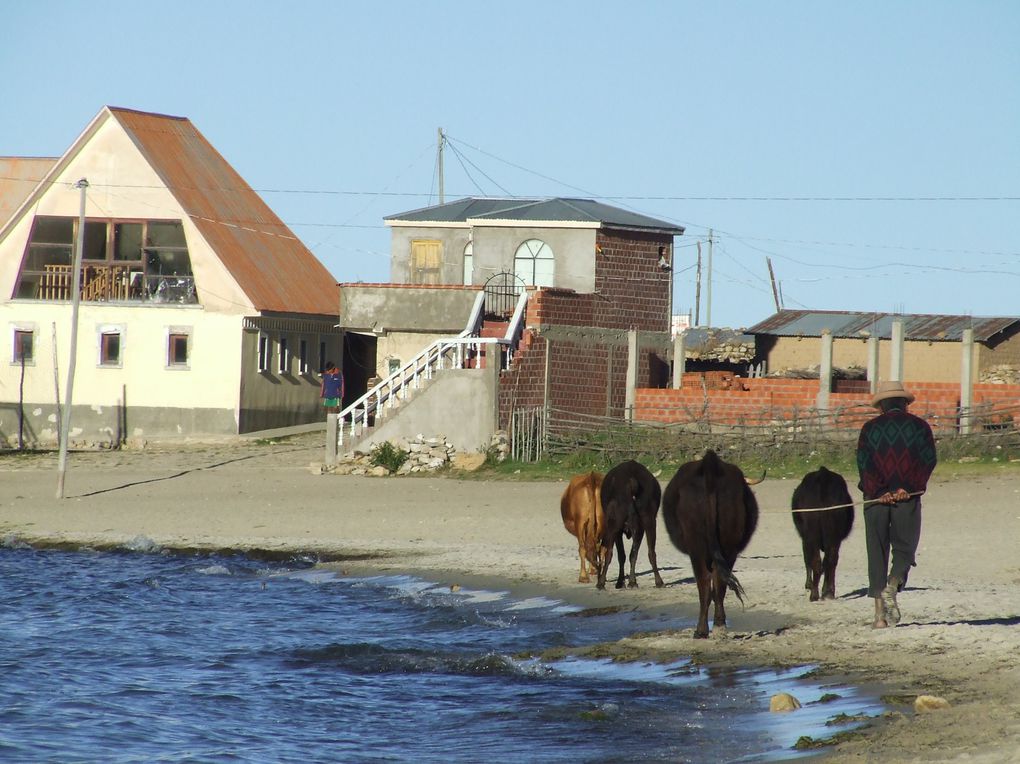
[{"x": 888, "y": 390}]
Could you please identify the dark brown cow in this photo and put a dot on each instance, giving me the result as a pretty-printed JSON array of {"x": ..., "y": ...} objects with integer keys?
[
  {"x": 825, "y": 530},
  {"x": 630, "y": 504},
  {"x": 581, "y": 509},
  {"x": 710, "y": 514}
]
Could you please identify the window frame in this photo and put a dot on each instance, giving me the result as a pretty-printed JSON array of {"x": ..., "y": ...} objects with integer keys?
[
  {"x": 531, "y": 257},
  {"x": 18, "y": 333},
  {"x": 303, "y": 356},
  {"x": 264, "y": 353},
  {"x": 104, "y": 335},
  {"x": 283, "y": 354},
  {"x": 178, "y": 332}
]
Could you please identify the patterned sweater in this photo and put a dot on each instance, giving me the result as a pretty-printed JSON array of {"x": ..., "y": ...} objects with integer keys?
[{"x": 895, "y": 450}]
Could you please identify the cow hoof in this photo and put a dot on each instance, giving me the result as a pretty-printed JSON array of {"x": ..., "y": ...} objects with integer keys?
[
  {"x": 600, "y": 585},
  {"x": 814, "y": 597},
  {"x": 719, "y": 629},
  {"x": 829, "y": 596},
  {"x": 700, "y": 634},
  {"x": 659, "y": 583},
  {"x": 632, "y": 585},
  {"x": 583, "y": 580},
  {"x": 619, "y": 584}
]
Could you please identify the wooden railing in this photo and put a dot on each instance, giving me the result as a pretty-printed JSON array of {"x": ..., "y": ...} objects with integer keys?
[{"x": 107, "y": 283}]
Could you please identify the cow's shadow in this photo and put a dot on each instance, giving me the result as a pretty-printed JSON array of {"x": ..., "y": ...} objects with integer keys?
[
  {"x": 863, "y": 592},
  {"x": 1011, "y": 620}
]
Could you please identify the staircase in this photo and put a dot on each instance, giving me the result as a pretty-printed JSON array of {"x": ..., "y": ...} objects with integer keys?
[{"x": 482, "y": 342}]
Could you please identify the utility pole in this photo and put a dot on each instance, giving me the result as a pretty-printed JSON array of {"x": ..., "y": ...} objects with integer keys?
[
  {"x": 708, "y": 285},
  {"x": 772, "y": 279},
  {"x": 65, "y": 428},
  {"x": 441, "y": 144},
  {"x": 697, "y": 291}
]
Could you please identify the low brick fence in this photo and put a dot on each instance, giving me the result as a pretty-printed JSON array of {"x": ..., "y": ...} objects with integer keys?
[{"x": 719, "y": 398}]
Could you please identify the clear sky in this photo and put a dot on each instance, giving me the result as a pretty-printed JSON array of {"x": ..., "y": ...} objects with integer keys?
[{"x": 870, "y": 149}]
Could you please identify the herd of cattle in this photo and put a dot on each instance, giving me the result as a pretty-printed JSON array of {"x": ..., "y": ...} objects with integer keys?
[{"x": 710, "y": 514}]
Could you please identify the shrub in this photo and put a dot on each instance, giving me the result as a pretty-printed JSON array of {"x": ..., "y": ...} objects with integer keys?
[{"x": 387, "y": 455}]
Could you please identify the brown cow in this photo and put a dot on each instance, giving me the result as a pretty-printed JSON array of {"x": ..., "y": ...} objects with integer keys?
[
  {"x": 581, "y": 508},
  {"x": 710, "y": 514},
  {"x": 825, "y": 530},
  {"x": 630, "y": 503}
]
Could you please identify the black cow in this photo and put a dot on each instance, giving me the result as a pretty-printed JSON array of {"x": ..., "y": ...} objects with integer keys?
[
  {"x": 710, "y": 514},
  {"x": 630, "y": 504},
  {"x": 825, "y": 530}
]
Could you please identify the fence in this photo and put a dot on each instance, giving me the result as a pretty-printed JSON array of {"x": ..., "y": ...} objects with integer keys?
[{"x": 536, "y": 433}]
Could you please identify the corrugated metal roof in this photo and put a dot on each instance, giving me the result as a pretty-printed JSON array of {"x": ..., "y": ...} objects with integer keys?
[
  {"x": 270, "y": 264},
  {"x": 18, "y": 178},
  {"x": 554, "y": 209},
  {"x": 916, "y": 326}
]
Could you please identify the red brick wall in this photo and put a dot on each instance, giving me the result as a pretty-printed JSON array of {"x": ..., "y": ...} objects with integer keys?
[
  {"x": 764, "y": 401},
  {"x": 587, "y": 376}
]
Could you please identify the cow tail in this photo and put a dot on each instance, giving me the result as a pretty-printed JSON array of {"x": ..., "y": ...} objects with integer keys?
[{"x": 712, "y": 469}]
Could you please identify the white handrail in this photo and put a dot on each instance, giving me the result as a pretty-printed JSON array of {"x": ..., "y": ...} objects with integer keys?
[{"x": 411, "y": 375}]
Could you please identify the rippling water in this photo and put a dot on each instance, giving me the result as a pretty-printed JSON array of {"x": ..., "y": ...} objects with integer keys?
[{"x": 127, "y": 657}]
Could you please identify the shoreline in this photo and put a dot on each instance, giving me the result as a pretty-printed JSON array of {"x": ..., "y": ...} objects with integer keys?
[{"x": 960, "y": 637}]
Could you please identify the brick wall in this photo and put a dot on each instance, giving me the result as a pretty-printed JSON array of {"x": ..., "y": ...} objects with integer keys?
[
  {"x": 588, "y": 374},
  {"x": 768, "y": 401}
]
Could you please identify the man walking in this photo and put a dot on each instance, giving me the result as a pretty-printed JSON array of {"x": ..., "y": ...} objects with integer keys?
[{"x": 895, "y": 458}]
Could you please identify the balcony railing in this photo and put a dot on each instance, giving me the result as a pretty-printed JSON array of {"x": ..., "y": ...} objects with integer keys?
[{"x": 116, "y": 283}]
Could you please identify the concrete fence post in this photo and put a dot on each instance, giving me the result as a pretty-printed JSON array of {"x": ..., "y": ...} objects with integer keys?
[
  {"x": 873, "y": 364},
  {"x": 896, "y": 365},
  {"x": 967, "y": 381},
  {"x": 632, "y": 371},
  {"x": 679, "y": 360},
  {"x": 825, "y": 372},
  {"x": 332, "y": 419}
]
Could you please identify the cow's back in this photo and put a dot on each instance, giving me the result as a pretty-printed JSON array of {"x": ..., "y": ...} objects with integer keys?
[
  {"x": 581, "y": 501},
  {"x": 687, "y": 514},
  {"x": 823, "y": 488}
]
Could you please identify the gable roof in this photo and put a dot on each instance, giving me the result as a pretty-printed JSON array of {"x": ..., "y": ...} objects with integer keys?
[
  {"x": 274, "y": 269},
  {"x": 916, "y": 326},
  {"x": 18, "y": 177},
  {"x": 551, "y": 210},
  {"x": 271, "y": 265}
]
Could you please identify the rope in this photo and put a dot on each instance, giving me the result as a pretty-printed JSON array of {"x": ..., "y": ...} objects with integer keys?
[{"x": 834, "y": 506}]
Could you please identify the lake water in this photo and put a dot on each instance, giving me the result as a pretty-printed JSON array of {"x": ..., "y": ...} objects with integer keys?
[{"x": 144, "y": 656}]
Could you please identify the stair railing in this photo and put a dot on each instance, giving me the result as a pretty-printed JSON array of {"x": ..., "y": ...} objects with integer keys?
[{"x": 444, "y": 353}]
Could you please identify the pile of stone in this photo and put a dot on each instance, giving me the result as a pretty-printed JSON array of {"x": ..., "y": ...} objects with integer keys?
[
  {"x": 812, "y": 372},
  {"x": 1002, "y": 374},
  {"x": 721, "y": 345},
  {"x": 423, "y": 455},
  {"x": 499, "y": 446}
]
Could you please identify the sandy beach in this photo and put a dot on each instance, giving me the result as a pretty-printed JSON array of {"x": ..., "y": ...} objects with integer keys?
[{"x": 959, "y": 638}]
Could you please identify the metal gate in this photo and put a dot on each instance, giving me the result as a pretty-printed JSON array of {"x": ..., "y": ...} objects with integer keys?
[{"x": 501, "y": 293}]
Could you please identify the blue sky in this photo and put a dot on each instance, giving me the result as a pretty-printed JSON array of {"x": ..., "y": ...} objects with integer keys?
[{"x": 870, "y": 149}]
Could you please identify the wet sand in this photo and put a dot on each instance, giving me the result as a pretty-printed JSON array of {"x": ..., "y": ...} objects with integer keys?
[{"x": 959, "y": 638}]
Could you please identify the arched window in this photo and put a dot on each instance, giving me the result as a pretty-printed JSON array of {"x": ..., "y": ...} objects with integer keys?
[
  {"x": 469, "y": 263},
  {"x": 533, "y": 263}
]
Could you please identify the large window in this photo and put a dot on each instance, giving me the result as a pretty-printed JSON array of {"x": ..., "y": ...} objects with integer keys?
[
  {"x": 143, "y": 260},
  {"x": 533, "y": 263}
]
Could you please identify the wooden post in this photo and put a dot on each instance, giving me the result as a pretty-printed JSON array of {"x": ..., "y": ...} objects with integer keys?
[{"x": 967, "y": 382}]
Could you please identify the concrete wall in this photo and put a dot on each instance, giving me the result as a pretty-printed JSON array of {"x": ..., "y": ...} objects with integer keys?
[
  {"x": 156, "y": 394},
  {"x": 923, "y": 361},
  {"x": 387, "y": 307},
  {"x": 458, "y": 404},
  {"x": 402, "y": 346},
  {"x": 271, "y": 399},
  {"x": 494, "y": 248}
]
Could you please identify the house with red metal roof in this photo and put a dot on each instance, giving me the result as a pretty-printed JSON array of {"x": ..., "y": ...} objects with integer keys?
[{"x": 201, "y": 313}]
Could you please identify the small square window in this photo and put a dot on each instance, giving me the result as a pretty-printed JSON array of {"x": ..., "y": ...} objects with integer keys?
[
  {"x": 263, "y": 352},
  {"x": 177, "y": 350},
  {"x": 109, "y": 349},
  {"x": 24, "y": 346},
  {"x": 284, "y": 356}
]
